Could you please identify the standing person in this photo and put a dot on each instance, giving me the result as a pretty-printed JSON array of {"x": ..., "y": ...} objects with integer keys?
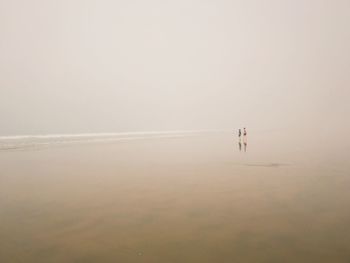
[
  {"x": 244, "y": 132},
  {"x": 239, "y": 134}
]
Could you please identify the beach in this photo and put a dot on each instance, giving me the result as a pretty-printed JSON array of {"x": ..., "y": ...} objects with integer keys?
[{"x": 191, "y": 198}]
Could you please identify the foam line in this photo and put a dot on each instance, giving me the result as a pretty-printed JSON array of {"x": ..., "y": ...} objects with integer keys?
[
  {"x": 82, "y": 135},
  {"x": 8, "y": 143}
]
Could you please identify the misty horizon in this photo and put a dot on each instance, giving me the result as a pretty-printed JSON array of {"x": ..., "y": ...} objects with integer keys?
[
  {"x": 120, "y": 66},
  {"x": 174, "y": 131}
]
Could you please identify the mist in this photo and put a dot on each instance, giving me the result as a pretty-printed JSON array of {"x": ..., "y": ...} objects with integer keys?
[{"x": 115, "y": 66}]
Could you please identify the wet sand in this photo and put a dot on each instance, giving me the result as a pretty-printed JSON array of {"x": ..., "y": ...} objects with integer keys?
[{"x": 190, "y": 199}]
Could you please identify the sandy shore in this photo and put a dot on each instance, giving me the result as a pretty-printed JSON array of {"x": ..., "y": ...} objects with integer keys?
[{"x": 188, "y": 199}]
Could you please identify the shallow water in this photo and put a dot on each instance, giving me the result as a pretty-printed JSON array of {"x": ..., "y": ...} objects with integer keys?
[{"x": 186, "y": 199}]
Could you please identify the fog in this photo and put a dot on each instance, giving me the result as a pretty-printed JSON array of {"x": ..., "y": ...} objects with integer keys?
[{"x": 113, "y": 66}]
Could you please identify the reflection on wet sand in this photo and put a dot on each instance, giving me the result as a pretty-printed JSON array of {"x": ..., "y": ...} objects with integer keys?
[
  {"x": 244, "y": 144},
  {"x": 171, "y": 200}
]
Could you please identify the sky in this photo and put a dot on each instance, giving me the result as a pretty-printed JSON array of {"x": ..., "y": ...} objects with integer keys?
[{"x": 81, "y": 66}]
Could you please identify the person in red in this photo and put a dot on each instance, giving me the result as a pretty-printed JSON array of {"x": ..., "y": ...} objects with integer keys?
[{"x": 245, "y": 139}]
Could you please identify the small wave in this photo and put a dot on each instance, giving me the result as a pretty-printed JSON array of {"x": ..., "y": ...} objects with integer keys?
[
  {"x": 268, "y": 165},
  {"x": 21, "y": 142}
]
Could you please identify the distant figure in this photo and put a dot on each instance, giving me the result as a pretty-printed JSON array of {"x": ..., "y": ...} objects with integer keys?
[
  {"x": 240, "y": 145},
  {"x": 239, "y": 134},
  {"x": 244, "y": 135},
  {"x": 245, "y": 139}
]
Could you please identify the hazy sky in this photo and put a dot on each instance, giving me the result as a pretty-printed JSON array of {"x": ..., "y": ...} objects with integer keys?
[{"x": 108, "y": 66}]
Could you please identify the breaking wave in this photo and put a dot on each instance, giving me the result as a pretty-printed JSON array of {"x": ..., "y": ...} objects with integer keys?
[{"x": 22, "y": 142}]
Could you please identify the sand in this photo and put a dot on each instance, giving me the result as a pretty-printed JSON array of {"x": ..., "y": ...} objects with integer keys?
[{"x": 187, "y": 199}]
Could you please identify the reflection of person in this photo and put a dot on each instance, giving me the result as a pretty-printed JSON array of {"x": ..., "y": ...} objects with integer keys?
[
  {"x": 245, "y": 146},
  {"x": 240, "y": 146}
]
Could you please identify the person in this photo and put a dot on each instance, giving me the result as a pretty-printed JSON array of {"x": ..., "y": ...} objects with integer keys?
[
  {"x": 245, "y": 138},
  {"x": 239, "y": 134}
]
